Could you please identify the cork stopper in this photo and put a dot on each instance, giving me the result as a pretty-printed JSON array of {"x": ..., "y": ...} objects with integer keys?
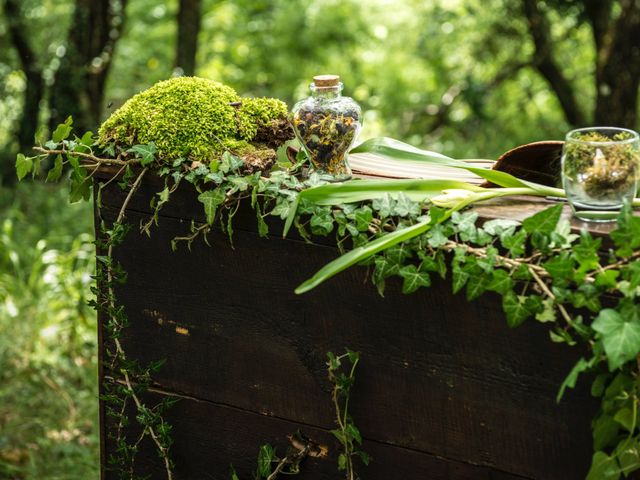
[{"x": 324, "y": 81}]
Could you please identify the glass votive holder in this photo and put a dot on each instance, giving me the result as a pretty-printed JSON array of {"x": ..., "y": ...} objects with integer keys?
[{"x": 600, "y": 167}]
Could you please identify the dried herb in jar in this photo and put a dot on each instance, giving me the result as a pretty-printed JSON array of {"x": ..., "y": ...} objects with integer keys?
[{"x": 327, "y": 124}]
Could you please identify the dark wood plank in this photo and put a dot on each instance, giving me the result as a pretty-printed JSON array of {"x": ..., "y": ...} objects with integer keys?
[
  {"x": 210, "y": 437},
  {"x": 439, "y": 375}
]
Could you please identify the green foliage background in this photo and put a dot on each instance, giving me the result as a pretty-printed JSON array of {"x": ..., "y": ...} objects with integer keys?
[{"x": 449, "y": 75}]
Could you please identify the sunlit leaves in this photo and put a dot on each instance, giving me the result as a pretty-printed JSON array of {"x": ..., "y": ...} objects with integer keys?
[
  {"x": 23, "y": 165},
  {"x": 544, "y": 221},
  {"x": 627, "y": 236},
  {"x": 55, "y": 173},
  {"x": 517, "y": 308},
  {"x": 62, "y": 131},
  {"x": 414, "y": 278},
  {"x": 620, "y": 336},
  {"x": 211, "y": 200}
]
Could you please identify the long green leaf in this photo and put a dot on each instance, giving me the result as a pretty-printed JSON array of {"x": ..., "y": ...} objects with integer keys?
[
  {"x": 389, "y": 240},
  {"x": 353, "y": 191},
  {"x": 358, "y": 190},
  {"x": 397, "y": 150},
  {"x": 360, "y": 253}
]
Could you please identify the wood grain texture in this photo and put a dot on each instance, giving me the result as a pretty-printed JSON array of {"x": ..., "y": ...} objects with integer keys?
[
  {"x": 439, "y": 375},
  {"x": 210, "y": 437}
]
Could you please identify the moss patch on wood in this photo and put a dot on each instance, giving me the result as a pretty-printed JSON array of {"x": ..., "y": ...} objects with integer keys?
[{"x": 199, "y": 119}]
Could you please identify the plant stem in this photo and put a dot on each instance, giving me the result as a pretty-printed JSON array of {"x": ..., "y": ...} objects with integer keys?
[
  {"x": 101, "y": 161},
  {"x": 119, "y": 350}
]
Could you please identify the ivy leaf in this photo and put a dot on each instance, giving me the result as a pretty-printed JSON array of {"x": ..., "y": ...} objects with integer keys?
[
  {"x": 211, "y": 200},
  {"x": 605, "y": 431},
  {"x": 364, "y": 457},
  {"x": 603, "y": 467},
  {"x": 265, "y": 457},
  {"x": 62, "y": 131},
  {"x": 560, "y": 267},
  {"x": 500, "y": 225},
  {"x": 627, "y": 236},
  {"x": 383, "y": 205},
  {"x": 363, "y": 217},
  {"x": 570, "y": 381},
  {"x": 586, "y": 254},
  {"x": 516, "y": 309},
  {"x": 620, "y": 337},
  {"x": 342, "y": 461},
  {"x": 230, "y": 162},
  {"x": 628, "y": 456},
  {"x": 459, "y": 277},
  {"x": 383, "y": 269},
  {"x": 466, "y": 223},
  {"x": 433, "y": 264},
  {"x": 437, "y": 237},
  {"x": 514, "y": 242},
  {"x": 146, "y": 153},
  {"x": 56, "y": 171},
  {"x": 413, "y": 279},
  {"x": 87, "y": 139},
  {"x": 500, "y": 282},
  {"x": 405, "y": 207},
  {"x": 560, "y": 335},
  {"x": 80, "y": 189},
  {"x": 632, "y": 274},
  {"x": 544, "y": 221},
  {"x": 23, "y": 165},
  {"x": 624, "y": 417},
  {"x": 322, "y": 221},
  {"x": 476, "y": 287},
  {"x": 354, "y": 433},
  {"x": 353, "y": 356},
  {"x": 548, "y": 313},
  {"x": 234, "y": 474}
]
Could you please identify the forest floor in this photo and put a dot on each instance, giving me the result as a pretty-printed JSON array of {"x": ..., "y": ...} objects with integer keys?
[{"x": 48, "y": 344}]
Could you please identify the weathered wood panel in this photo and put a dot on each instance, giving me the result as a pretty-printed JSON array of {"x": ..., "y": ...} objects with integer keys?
[
  {"x": 211, "y": 437},
  {"x": 438, "y": 375}
]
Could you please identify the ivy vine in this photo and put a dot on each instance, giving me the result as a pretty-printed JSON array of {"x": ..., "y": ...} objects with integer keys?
[{"x": 541, "y": 269}]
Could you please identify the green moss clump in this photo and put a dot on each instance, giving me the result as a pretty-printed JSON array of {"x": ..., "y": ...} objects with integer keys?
[
  {"x": 193, "y": 117},
  {"x": 259, "y": 112}
]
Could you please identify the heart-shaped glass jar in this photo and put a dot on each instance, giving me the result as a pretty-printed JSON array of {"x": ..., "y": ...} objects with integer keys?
[{"x": 327, "y": 124}]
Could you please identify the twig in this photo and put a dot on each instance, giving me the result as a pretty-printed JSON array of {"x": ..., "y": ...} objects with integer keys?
[
  {"x": 297, "y": 457},
  {"x": 550, "y": 294},
  {"x": 504, "y": 261},
  {"x": 101, "y": 161}
]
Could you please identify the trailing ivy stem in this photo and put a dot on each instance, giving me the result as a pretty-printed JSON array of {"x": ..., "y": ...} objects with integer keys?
[
  {"x": 346, "y": 403},
  {"x": 120, "y": 351},
  {"x": 101, "y": 161},
  {"x": 541, "y": 283},
  {"x": 296, "y": 457}
]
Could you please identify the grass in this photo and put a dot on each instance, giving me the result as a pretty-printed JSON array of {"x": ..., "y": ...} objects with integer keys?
[{"x": 48, "y": 351}]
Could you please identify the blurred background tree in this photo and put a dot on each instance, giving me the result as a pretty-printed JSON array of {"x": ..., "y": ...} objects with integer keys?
[{"x": 469, "y": 78}]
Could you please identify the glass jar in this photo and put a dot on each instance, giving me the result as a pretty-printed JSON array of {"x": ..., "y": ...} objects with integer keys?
[
  {"x": 600, "y": 167},
  {"x": 327, "y": 124}
]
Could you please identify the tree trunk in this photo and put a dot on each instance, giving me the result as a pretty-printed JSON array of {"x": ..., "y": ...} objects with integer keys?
[
  {"x": 80, "y": 81},
  {"x": 545, "y": 63},
  {"x": 189, "y": 16},
  {"x": 34, "y": 82},
  {"x": 618, "y": 70}
]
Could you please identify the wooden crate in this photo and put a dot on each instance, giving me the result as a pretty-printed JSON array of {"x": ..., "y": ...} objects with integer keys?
[{"x": 444, "y": 390}]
